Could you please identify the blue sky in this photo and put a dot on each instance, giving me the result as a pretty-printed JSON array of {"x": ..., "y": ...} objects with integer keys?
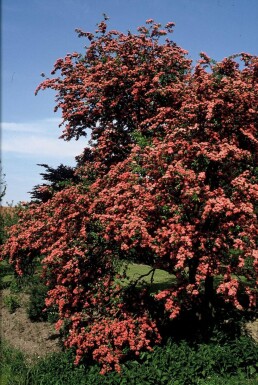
[{"x": 37, "y": 32}]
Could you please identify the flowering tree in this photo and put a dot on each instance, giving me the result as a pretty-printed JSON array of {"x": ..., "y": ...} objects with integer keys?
[{"x": 170, "y": 180}]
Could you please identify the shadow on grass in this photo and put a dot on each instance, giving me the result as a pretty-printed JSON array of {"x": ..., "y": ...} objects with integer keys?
[{"x": 155, "y": 287}]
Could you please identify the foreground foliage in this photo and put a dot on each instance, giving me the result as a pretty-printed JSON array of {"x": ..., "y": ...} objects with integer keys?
[
  {"x": 170, "y": 181},
  {"x": 173, "y": 364}
]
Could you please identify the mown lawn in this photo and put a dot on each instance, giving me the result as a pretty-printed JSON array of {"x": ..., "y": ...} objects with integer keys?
[{"x": 144, "y": 274}]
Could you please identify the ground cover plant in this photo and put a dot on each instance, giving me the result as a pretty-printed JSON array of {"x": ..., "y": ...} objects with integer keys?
[
  {"x": 170, "y": 181},
  {"x": 233, "y": 363}
]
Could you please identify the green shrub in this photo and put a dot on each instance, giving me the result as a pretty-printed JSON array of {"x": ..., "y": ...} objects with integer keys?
[
  {"x": 8, "y": 218},
  {"x": 185, "y": 364},
  {"x": 233, "y": 363},
  {"x": 52, "y": 316},
  {"x": 6, "y": 274},
  {"x": 231, "y": 380},
  {"x": 16, "y": 285},
  {"x": 36, "y": 305},
  {"x": 9, "y": 278},
  {"x": 5, "y": 281},
  {"x": 11, "y": 302},
  {"x": 36, "y": 308}
]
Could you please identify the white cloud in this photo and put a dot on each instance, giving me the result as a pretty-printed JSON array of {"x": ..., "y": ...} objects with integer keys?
[
  {"x": 39, "y": 145},
  {"x": 38, "y": 138},
  {"x": 26, "y": 144},
  {"x": 38, "y": 126}
]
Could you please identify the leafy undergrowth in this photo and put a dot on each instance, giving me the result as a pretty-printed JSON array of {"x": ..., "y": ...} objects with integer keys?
[
  {"x": 233, "y": 363},
  {"x": 222, "y": 361}
]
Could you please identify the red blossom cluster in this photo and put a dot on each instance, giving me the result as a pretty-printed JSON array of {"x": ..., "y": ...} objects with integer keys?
[{"x": 170, "y": 180}]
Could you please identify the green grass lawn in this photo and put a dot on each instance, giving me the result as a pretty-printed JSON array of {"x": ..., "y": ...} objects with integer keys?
[{"x": 160, "y": 280}]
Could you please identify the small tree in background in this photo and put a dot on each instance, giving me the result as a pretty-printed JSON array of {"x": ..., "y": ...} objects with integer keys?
[
  {"x": 2, "y": 185},
  {"x": 2, "y": 194},
  {"x": 57, "y": 179},
  {"x": 170, "y": 180},
  {"x": 8, "y": 212}
]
